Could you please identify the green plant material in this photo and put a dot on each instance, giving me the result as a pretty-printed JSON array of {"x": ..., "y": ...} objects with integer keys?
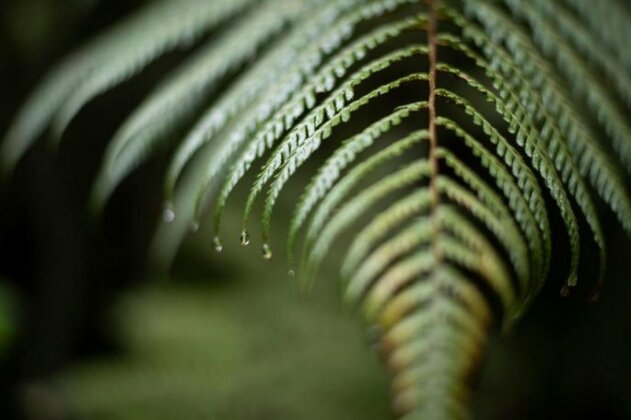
[
  {"x": 444, "y": 201},
  {"x": 228, "y": 352},
  {"x": 8, "y": 319}
]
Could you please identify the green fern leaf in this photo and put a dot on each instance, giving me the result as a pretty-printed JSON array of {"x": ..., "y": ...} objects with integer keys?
[{"x": 444, "y": 201}]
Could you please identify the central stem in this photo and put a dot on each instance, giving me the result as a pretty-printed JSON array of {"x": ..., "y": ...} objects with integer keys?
[{"x": 433, "y": 137}]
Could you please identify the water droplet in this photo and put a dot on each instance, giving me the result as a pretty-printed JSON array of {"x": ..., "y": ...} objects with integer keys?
[
  {"x": 267, "y": 252},
  {"x": 168, "y": 215},
  {"x": 194, "y": 226},
  {"x": 565, "y": 291},
  {"x": 595, "y": 293},
  {"x": 291, "y": 272},
  {"x": 217, "y": 244},
  {"x": 245, "y": 238}
]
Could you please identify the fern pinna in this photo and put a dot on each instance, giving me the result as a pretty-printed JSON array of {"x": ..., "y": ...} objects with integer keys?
[{"x": 452, "y": 129}]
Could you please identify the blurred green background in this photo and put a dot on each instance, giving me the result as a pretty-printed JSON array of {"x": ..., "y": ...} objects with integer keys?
[{"x": 87, "y": 331}]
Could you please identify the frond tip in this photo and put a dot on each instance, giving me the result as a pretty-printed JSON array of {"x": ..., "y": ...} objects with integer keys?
[{"x": 453, "y": 129}]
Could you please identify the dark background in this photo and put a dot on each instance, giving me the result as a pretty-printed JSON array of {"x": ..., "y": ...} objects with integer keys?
[{"x": 87, "y": 332}]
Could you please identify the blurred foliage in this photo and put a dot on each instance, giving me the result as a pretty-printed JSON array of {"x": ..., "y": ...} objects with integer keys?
[
  {"x": 202, "y": 352},
  {"x": 8, "y": 318}
]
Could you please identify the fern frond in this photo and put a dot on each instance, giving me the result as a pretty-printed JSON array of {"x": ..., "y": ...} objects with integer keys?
[
  {"x": 569, "y": 63},
  {"x": 574, "y": 31},
  {"x": 412, "y": 357},
  {"x": 315, "y": 251},
  {"x": 307, "y": 136},
  {"x": 414, "y": 204},
  {"x": 527, "y": 139},
  {"x": 324, "y": 31},
  {"x": 446, "y": 197},
  {"x": 346, "y": 185},
  {"x": 533, "y": 219},
  {"x": 284, "y": 100},
  {"x": 109, "y": 60},
  {"x": 344, "y": 156},
  {"x": 488, "y": 208},
  {"x": 309, "y": 129},
  {"x": 609, "y": 23},
  {"x": 182, "y": 94}
]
